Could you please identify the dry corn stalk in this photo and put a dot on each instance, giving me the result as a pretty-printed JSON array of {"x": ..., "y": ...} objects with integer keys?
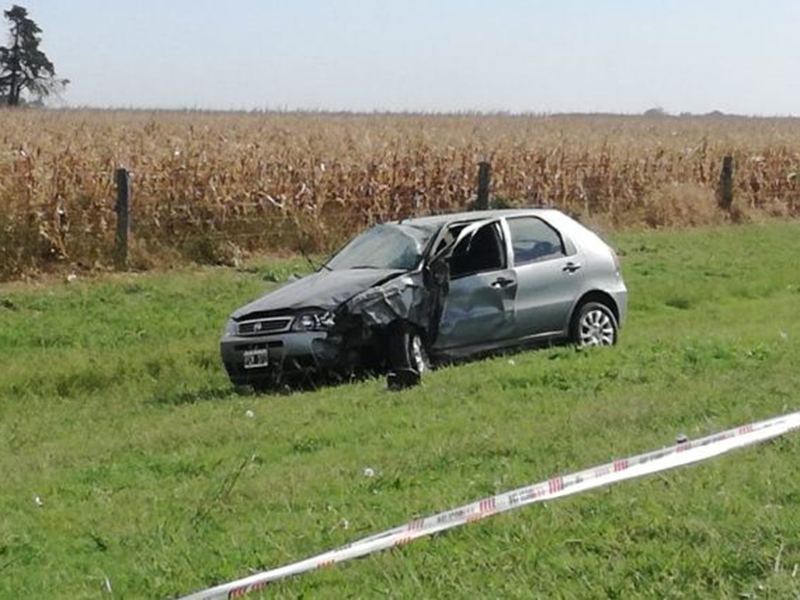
[{"x": 206, "y": 182}]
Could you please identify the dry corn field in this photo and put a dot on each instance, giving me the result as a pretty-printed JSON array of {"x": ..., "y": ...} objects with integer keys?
[{"x": 214, "y": 187}]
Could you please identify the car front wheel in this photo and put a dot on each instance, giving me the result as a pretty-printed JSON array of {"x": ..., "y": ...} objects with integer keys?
[
  {"x": 594, "y": 325},
  {"x": 408, "y": 359}
]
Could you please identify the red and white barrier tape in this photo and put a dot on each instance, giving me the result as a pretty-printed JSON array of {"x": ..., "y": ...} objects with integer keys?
[{"x": 637, "y": 466}]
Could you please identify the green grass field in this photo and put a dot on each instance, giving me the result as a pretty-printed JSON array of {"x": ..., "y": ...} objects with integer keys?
[{"x": 115, "y": 412}]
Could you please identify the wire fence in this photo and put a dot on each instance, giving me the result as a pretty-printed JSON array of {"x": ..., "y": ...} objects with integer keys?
[{"x": 60, "y": 214}]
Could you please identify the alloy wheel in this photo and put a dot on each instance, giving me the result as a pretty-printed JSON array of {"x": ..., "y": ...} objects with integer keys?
[
  {"x": 596, "y": 328},
  {"x": 418, "y": 359}
]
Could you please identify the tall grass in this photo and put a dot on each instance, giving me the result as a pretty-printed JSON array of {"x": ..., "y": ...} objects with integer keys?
[{"x": 211, "y": 186}]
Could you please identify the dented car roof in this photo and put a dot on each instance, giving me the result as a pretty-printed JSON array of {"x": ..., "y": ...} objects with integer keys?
[{"x": 434, "y": 222}]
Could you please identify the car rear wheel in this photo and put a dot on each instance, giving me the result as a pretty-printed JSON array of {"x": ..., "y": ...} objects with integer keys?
[{"x": 594, "y": 325}]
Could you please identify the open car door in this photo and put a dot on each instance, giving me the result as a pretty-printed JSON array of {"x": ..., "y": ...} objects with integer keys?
[{"x": 477, "y": 310}]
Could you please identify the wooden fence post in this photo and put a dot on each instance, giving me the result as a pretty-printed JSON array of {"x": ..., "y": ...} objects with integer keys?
[
  {"x": 484, "y": 182},
  {"x": 123, "y": 208},
  {"x": 725, "y": 192}
]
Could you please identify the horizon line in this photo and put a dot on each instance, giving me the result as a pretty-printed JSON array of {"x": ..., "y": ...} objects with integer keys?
[{"x": 653, "y": 114}]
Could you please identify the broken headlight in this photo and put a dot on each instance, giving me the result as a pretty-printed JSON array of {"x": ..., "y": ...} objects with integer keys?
[{"x": 313, "y": 321}]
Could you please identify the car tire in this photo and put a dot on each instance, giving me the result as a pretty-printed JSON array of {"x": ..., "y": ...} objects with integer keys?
[
  {"x": 594, "y": 325},
  {"x": 408, "y": 359}
]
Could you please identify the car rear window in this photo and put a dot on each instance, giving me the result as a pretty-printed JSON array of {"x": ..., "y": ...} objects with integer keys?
[{"x": 534, "y": 240}]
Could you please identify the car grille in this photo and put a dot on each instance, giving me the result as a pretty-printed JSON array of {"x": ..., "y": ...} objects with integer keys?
[{"x": 265, "y": 326}]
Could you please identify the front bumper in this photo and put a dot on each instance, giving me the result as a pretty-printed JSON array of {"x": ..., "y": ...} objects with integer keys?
[{"x": 291, "y": 352}]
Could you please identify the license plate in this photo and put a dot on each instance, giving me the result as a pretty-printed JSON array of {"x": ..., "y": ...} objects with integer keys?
[{"x": 256, "y": 359}]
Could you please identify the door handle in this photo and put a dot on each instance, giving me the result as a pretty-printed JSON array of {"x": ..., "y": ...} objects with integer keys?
[
  {"x": 502, "y": 282},
  {"x": 571, "y": 267}
]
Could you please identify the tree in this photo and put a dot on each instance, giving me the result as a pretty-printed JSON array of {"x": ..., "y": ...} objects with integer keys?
[
  {"x": 655, "y": 112},
  {"x": 23, "y": 66}
]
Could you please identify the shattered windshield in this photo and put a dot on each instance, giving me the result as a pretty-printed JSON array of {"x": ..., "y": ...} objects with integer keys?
[{"x": 388, "y": 246}]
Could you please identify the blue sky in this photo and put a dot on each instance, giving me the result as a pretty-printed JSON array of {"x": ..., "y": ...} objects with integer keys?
[{"x": 436, "y": 55}]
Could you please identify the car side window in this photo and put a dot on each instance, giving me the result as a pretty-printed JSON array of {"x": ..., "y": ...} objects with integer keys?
[
  {"x": 480, "y": 252},
  {"x": 534, "y": 240}
]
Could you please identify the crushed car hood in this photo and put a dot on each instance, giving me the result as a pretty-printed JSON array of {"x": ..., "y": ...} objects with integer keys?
[{"x": 324, "y": 289}]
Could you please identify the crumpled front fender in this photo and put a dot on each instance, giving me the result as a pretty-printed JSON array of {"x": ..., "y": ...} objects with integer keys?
[{"x": 403, "y": 298}]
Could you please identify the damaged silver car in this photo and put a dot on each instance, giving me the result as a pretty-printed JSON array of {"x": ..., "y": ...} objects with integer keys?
[{"x": 405, "y": 294}]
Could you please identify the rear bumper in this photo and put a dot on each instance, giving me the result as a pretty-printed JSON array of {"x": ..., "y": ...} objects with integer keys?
[
  {"x": 288, "y": 353},
  {"x": 620, "y": 296}
]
